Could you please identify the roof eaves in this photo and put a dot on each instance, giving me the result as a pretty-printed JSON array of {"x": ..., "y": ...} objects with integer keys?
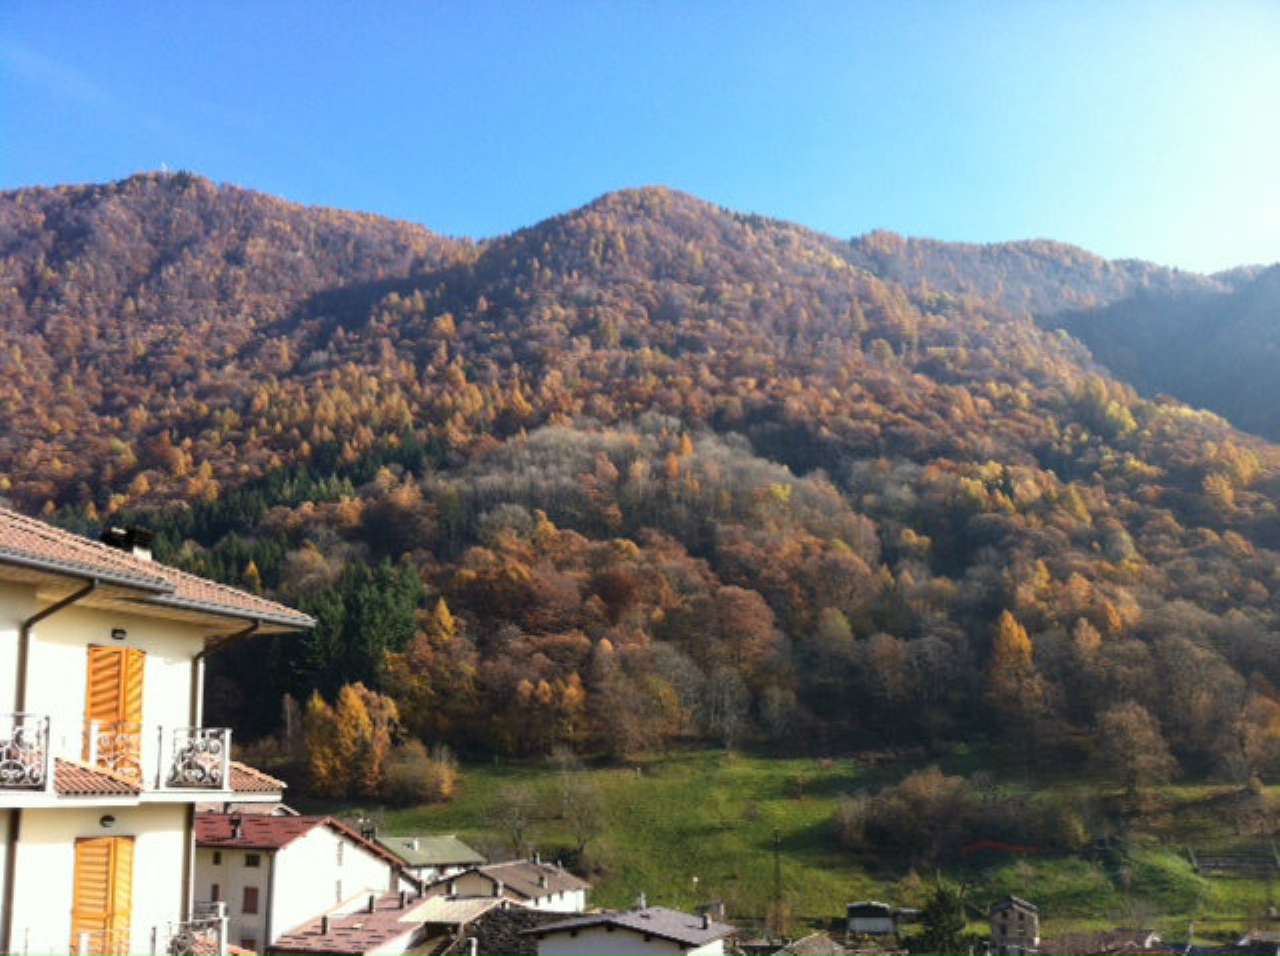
[
  {"x": 77, "y": 569},
  {"x": 295, "y": 621}
]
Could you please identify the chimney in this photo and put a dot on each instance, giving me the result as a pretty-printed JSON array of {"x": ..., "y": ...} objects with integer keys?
[
  {"x": 706, "y": 921},
  {"x": 373, "y": 901},
  {"x": 237, "y": 827},
  {"x": 453, "y": 887},
  {"x": 324, "y": 925},
  {"x": 413, "y": 844},
  {"x": 498, "y": 887},
  {"x": 542, "y": 880},
  {"x": 643, "y": 902},
  {"x": 537, "y": 857},
  {"x": 369, "y": 830},
  {"x": 404, "y": 898},
  {"x": 135, "y": 541}
]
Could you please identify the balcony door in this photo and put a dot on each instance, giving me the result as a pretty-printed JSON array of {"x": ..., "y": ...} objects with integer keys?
[
  {"x": 113, "y": 701},
  {"x": 102, "y": 909}
]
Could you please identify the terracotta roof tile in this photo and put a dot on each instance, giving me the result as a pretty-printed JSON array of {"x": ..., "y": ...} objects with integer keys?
[
  {"x": 30, "y": 543},
  {"x": 357, "y": 932},
  {"x": 80, "y": 780},
  {"x": 258, "y": 832},
  {"x": 246, "y": 779}
]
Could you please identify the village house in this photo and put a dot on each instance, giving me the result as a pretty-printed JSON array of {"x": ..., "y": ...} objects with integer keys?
[
  {"x": 651, "y": 929},
  {"x": 391, "y": 924},
  {"x": 430, "y": 857},
  {"x": 530, "y": 883},
  {"x": 276, "y": 872},
  {"x": 103, "y": 749},
  {"x": 1015, "y": 926}
]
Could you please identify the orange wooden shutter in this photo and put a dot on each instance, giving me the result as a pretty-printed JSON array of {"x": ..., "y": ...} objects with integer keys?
[
  {"x": 122, "y": 892},
  {"x": 102, "y": 906},
  {"x": 113, "y": 698}
]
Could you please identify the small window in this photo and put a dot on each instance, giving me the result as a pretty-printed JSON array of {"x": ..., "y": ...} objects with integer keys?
[
  {"x": 215, "y": 893},
  {"x": 250, "y": 906},
  {"x": 341, "y": 847},
  {"x": 252, "y": 859},
  {"x": 217, "y": 858},
  {"x": 337, "y": 891}
]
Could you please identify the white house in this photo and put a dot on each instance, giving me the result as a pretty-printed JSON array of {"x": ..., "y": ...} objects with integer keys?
[
  {"x": 870, "y": 918},
  {"x": 653, "y": 929},
  {"x": 429, "y": 857},
  {"x": 276, "y": 872},
  {"x": 103, "y": 752},
  {"x": 530, "y": 883}
]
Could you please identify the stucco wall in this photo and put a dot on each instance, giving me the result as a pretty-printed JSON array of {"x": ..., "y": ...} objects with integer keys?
[
  {"x": 308, "y": 880},
  {"x": 232, "y": 876},
  {"x": 58, "y": 668},
  {"x": 598, "y": 940},
  {"x": 476, "y": 884},
  {"x": 17, "y": 603},
  {"x": 43, "y": 892}
]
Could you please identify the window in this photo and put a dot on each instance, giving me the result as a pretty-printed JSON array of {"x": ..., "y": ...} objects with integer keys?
[
  {"x": 215, "y": 893},
  {"x": 217, "y": 858},
  {"x": 250, "y": 943},
  {"x": 341, "y": 846},
  {"x": 252, "y": 859},
  {"x": 337, "y": 891},
  {"x": 250, "y": 905}
]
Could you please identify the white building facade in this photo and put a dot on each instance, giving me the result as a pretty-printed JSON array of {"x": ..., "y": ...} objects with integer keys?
[
  {"x": 276, "y": 873},
  {"x": 103, "y": 755}
]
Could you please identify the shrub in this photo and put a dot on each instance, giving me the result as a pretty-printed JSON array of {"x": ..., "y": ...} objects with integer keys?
[{"x": 415, "y": 776}]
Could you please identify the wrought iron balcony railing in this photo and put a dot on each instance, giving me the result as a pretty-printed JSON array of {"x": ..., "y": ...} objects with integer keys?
[
  {"x": 24, "y": 752},
  {"x": 198, "y": 757},
  {"x": 116, "y": 747},
  {"x": 205, "y": 934},
  {"x": 162, "y": 758},
  {"x": 101, "y": 942}
]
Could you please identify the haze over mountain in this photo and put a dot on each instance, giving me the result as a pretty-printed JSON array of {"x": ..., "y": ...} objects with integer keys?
[{"x": 676, "y": 471}]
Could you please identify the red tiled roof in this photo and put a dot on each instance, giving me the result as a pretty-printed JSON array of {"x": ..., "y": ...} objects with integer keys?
[
  {"x": 79, "y": 780},
  {"x": 34, "y": 544},
  {"x": 258, "y": 832},
  {"x": 246, "y": 779},
  {"x": 357, "y": 932}
]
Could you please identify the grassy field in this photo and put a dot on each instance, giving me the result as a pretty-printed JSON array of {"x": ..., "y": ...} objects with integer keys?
[{"x": 690, "y": 827}]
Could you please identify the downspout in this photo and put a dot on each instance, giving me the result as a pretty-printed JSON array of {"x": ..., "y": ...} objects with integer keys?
[
  {"x": 197, "y": 720},
  {"x": 24, "y": 639},
  {"x": 20, "y": 705},
  {"x": 188, "y": 863}
]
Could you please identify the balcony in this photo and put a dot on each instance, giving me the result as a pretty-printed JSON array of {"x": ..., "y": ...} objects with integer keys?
[
  {"x": 154, "y": 758},
  {"x": 24, "y": 752},
  {"x": 205, "y": 934}
]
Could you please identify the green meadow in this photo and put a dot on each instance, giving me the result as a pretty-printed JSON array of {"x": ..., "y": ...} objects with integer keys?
[{"x": 690, "y": 827}]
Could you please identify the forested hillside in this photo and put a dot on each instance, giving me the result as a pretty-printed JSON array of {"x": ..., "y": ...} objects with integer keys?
[
  {"x": 1219, "y": 351},
  {"x": 1037, "y": 277},
  {"x": 644, "y": 472}
]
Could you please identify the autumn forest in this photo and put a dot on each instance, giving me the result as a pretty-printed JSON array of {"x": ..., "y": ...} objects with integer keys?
[{"x": 655, "y": 472}]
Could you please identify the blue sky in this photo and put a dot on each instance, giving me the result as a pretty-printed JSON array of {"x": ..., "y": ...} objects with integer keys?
[{"x": 1147, "y": 129}]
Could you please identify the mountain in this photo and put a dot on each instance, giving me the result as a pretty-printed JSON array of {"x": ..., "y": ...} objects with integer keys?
[
  {"x": 1214, "y": 350},
  {"x": 646, "y": 471},
  {"x": 1037, "y": 277}
]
